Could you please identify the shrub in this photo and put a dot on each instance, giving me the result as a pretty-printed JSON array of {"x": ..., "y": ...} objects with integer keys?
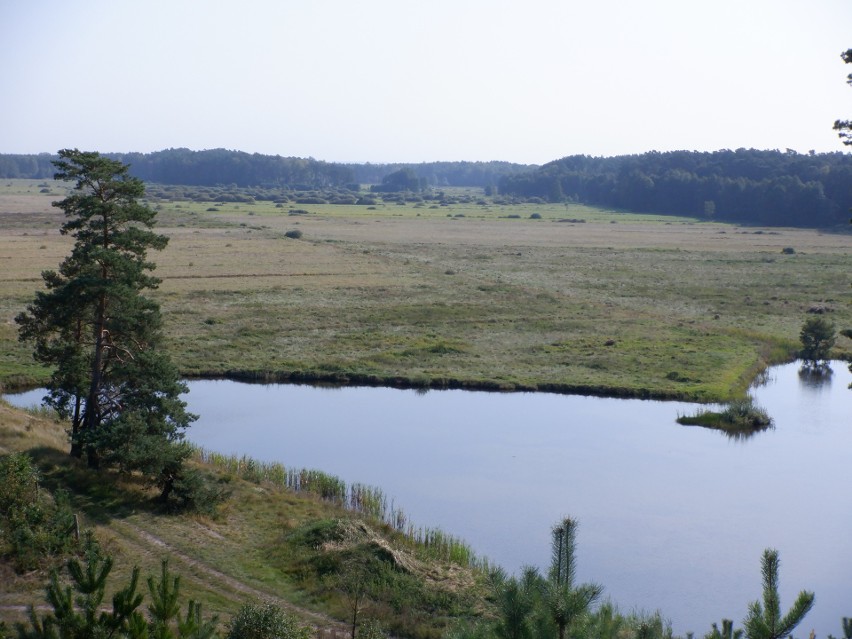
[
  {"x": 372, "y": 629},
  {"x": 817, "y": 337},
  {"x": 265, "y": 621},
  {"x": 32, "y": 526},
  {"x": 295, "y": 234},
  {"x": 194, "y": 491}
]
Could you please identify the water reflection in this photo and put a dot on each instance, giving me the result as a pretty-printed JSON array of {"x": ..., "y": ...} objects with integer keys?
[
  {"x": 746, "y": 434},
  {"x": 815, "y": 378}
]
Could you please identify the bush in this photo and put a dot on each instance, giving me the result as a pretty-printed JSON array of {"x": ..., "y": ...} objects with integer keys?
[
  {"x": 194, "y": 491},
  {"x": 32, "y": 525},
  {"x": 295, "y": 234},
  {"x": 817, "y": 337},
  {"x": 265, "y": 621},
  {"x": 372, "y": 629}
]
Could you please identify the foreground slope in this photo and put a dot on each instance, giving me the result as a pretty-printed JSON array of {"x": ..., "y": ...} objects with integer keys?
[{"x": 264, "y": 544}]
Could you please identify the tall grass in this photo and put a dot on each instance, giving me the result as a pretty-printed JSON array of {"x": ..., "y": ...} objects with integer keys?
[
  {"x": 739, "y": 418},
  {"x": 367, "y": 501}
]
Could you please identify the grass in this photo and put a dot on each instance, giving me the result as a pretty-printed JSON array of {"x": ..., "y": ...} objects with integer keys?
[
  {"x": 282, "y": 536},
  {"x": 460, "y": 295},
  {"x": 367, "y": 501},
  {"x": 739, "y": 418}
]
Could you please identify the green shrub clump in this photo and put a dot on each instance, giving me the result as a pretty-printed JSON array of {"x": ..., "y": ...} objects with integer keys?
[
  {"x": 738, "y": 418},
  {"x": 34, "y": 525},
  {"x": 265, "y": 621}
]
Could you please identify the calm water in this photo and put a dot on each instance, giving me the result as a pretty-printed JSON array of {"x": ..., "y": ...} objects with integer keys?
[{"x": 671, "y": 517}]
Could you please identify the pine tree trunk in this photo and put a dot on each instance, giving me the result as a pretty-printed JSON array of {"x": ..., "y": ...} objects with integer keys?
[
  {"x": 76, "y": 446},
  {"x": 91, "y": 417}
]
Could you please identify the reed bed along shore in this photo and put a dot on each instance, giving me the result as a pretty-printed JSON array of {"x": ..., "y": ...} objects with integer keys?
[{"x": 364, "y": 500}]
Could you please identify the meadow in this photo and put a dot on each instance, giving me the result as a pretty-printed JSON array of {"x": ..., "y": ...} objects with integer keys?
[{"x": 464, "y": 291}]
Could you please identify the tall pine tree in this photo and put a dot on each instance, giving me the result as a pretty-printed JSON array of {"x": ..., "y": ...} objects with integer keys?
[{"x": 102, "y": 336}]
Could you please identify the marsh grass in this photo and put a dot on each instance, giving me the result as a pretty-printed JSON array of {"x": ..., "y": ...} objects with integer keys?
[
  {"x": 533, "y": 304},
  {"x": 738, "y": 418}
]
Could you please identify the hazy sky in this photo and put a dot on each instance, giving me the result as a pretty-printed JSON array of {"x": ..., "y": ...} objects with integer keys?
[{"x": 401, "y": 81}]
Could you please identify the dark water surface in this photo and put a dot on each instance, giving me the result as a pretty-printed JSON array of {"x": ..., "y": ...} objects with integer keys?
[{"x": 671, "y": 517}]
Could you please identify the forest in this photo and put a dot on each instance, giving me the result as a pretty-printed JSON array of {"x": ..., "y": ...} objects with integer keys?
[
  {"x": 223, "y": 167},
  {"x": 769, "y": 188}
]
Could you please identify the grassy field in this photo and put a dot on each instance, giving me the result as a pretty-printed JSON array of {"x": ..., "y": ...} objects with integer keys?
[{"x": 474, "y": 294}]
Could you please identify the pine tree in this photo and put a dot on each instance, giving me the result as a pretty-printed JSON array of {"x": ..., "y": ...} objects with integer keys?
[
  {"x": 165, "y": 611},
  {"x": 515, "y": 604},
  {"x": 727, "y": 631},
  {"x": 766, "y": 622},
  {"x": 101, "y": 335},
  {"x": 844, "y": 127},
  {"x": 567, "y": 602},
  {"x": 77, "y": 610},
  {"x": 817, "y": 337}
]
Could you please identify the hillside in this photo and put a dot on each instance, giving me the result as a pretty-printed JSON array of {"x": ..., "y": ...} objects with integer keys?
[{"x": 264, "y": 543}]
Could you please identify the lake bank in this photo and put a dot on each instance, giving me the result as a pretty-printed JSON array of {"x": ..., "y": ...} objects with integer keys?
[{"x": 670, "y": 518}]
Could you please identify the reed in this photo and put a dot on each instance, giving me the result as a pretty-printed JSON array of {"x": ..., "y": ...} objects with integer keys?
[
  {"x": 367, "y": 501},
  {"x": 738, "y": 418}
]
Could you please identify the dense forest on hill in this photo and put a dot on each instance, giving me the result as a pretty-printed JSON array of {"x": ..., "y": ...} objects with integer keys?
[
  {"x": 200, "y": 168},
  {"x": 222, "y": 167},
  {"x": 759, "y": 187},
  {"x": 747, "y": 186}
]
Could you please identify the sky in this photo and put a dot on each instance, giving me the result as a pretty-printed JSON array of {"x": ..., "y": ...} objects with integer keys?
[{"x": 381, "y": 81}]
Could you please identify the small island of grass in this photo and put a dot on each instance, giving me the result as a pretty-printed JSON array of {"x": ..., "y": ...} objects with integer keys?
[{"x": 739, "y": 418}]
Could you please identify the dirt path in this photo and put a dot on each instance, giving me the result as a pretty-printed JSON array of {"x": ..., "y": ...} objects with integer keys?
[
  {"x": 324, "y": 626},
  {"x": 329, "y": 627}
]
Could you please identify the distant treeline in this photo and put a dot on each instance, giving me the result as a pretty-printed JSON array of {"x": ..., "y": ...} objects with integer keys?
[
  {"x": 223, "y": 167},
  {"x": 748, "y": 186},
  {"x": 438, "y": 174},
  {"x": 199, "y": 168},
  {"x": 757, "y": 187}
]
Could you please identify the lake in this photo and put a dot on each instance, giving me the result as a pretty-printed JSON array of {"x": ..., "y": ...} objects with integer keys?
[{"x": 671, "y": 517}]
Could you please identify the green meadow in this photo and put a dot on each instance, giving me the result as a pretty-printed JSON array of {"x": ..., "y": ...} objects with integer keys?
[{"x": 464, "y": 291}]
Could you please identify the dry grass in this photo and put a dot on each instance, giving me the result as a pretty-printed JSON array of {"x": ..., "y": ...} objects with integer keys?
[{"x": 466, "y": 295}]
